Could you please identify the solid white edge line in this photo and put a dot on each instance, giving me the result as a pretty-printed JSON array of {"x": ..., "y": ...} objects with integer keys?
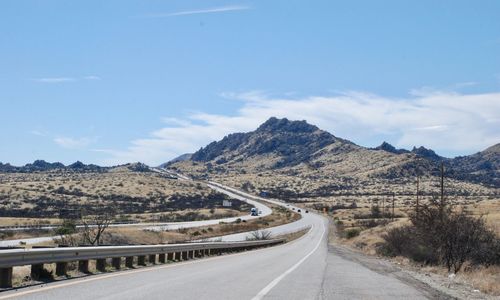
[
  {"x": 19, "y": 292},
  {"x": 273, "y": 283}
]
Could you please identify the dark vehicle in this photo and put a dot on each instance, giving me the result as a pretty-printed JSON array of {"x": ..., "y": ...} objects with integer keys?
[
  {"x": 298, "y": 210},
  {"x": 307, "y": 211}
]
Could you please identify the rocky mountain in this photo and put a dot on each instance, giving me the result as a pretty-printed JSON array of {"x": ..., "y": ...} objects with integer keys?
[
  {"x": 390, "y": 148},
  {"x": 481, "y": 167},
  {"x": 42, "y": 166},
  {"x": 296, "y": 147},
  {"x": 427, "y": 153},
  {"x": 292, "y": 142}
]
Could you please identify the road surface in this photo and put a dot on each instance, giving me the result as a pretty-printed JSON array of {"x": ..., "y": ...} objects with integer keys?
[{"x": 306, "y": 268}]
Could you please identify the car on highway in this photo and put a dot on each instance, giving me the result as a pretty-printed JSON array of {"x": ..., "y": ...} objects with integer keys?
[
  {"x": 307, "y": 211},
  {"x": 298, "y": 210}
]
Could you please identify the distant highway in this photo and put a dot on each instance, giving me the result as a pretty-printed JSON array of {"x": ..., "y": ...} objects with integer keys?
[
  {"x": 163, "y": 225},
  {"x": 306, "y": 268}
]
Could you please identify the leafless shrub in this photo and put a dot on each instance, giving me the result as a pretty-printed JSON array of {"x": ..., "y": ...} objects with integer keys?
[{"x": 259, "y": 235}]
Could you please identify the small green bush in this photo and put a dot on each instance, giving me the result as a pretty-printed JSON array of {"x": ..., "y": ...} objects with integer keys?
[{"x": 354, "y": 232}]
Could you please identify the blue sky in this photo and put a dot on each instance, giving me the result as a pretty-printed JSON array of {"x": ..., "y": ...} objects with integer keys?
[{"x": 109, "y": 82}]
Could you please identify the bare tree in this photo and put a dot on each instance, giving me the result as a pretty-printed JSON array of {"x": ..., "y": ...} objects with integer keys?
[{"x": 95, "y": 224}]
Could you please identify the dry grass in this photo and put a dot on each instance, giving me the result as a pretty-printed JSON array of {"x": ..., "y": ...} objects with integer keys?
[
  {"x": 137, "y": 235},
  {"x": 137, "y": 196},
  {"x": 485, "y": 279}
]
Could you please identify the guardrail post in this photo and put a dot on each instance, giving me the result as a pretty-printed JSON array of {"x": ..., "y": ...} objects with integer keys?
[
  {"x": 129, "y": 262},
  {"x": 61, "y": 268},
  {"x": 152, "y": 259},
  {"x": 191, "y": 254},
  {"x": 116, "y": 262},
  {"x": 162, "y": 258},
  {"x": 170, "y": 256},
  {"x": 6, "y": 277},
  {"x": 100, "y": 264},
  {"x": 83, "y": 266},
  {"x": 209, "y": 252},
  {"x": 141, "y": 260},
  {"x": 36, "y": 271}
]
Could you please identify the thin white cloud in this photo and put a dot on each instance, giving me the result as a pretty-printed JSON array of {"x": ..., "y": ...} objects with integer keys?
[
  {"x": 74, "y": 143},
  {"x": 212, "y": 10},
  {"x": 448, "y": 122},
  {"x": 54, "y": 79}
]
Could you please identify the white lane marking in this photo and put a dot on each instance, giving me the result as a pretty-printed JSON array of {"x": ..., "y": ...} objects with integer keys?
[
  {"x": 273, "y": 283},
  {"x": 133, "y": 271}
]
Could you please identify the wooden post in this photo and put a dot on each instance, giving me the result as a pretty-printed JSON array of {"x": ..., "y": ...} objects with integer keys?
[
  {"x": 83, "y": 266},
  {"x": 129, "y": 262},
  {"x": 36, "y": 271},
  {"x": 100, "y": 264},
  {"x": 152, "y": 259},
  {"x": 61, "y": 268},
  {"x": 393, "y": 199},
  {"x": 383, "y": 208},
  {"x": 116, "y": 262},
  {"x": 171, "y": 256},
  {"x": 6, "y": 277},
  {"x": 442, "y": 185},
  {"x": 418, "y": 192}
]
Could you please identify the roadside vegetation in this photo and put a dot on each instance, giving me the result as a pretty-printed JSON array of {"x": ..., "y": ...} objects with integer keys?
[
  {"x": 461, "y": 242},
  {"x": 41, "y": 197}
]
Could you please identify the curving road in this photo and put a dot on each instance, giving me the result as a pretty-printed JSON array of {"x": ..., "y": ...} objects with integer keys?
[
  {"x": 306, "y": 268},
  {"x": 165, "y": 225}
]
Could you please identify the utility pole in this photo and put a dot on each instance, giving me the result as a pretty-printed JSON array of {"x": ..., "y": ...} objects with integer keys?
[
  {"x": 418, "y": 191},
  {"x": 393, "y": 199},
  {"x": 442, "y": 185},
  {"x": 383, "y": 208}
]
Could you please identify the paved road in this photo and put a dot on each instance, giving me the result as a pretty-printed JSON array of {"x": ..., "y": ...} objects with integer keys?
[{"x": 303, "y": 269}]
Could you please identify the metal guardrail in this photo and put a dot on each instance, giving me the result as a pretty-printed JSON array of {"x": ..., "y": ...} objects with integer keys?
[
  {"x": 21, "y": 257},
  {"x": 61, "y": 256}
]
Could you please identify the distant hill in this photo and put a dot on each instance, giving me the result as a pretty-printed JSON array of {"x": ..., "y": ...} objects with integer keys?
[
  {"x": 297, "y": 147},
  {"x": 481, "y": 167},
  {"x": 42, "y": 166},
  {"x": 183, "y": 157}
]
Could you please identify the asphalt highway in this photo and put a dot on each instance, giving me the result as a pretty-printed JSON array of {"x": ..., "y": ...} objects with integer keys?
[
  {"x": 301, "y": 269},
  {"x": 306, "y": 268}
]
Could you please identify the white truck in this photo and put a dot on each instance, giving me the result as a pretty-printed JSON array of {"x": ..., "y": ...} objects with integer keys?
[{"x": 254, "y": 211}]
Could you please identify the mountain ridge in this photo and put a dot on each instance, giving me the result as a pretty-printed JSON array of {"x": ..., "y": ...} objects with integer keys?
[{"x": 281, "y": 144}]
